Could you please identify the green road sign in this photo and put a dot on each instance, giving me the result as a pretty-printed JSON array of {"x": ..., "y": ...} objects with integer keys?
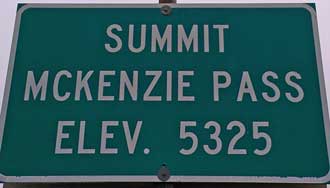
[{"x": 179, "y": 93}]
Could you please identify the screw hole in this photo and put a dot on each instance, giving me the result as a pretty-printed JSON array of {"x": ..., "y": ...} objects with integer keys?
[
  {"x": 166, "y": 10},
  {"x": 163, "y": 173}
]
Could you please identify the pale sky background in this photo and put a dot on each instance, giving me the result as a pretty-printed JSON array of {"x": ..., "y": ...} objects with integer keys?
[{"x": 8, "y": 11}]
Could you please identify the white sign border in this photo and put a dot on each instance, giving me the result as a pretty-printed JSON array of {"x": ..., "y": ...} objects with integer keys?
[{"x": 246, "y": 179}]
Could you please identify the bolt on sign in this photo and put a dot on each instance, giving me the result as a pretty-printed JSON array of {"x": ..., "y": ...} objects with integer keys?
[{"x": 177, "y": 93}]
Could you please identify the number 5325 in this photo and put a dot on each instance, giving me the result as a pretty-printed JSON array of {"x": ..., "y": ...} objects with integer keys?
[{"x": 216, "y": 138}]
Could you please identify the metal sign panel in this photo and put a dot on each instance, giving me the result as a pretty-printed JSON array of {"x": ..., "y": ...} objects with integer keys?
[{"x": 178, "y": 93}]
